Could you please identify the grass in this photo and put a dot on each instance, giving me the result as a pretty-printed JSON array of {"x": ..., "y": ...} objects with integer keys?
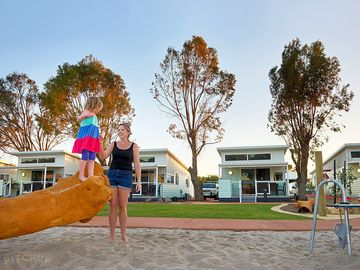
[{"x": 190, "y": 210}]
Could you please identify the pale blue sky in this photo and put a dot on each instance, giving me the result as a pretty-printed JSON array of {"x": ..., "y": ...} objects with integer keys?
[{"x": 131, "y": 38}]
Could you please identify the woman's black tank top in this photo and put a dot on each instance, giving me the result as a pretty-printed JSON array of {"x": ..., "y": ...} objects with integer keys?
[{"x": 122, "y": 159}]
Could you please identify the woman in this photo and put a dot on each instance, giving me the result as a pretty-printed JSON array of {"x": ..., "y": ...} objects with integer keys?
[{"x": 124, "y": 154}]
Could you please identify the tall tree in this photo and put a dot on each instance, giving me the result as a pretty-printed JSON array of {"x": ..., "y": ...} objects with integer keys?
[
  {"x": 307, "y": 99},
  {"x": 65, "y": 95},
  {"x": 193, "y": 90},
  {"x": 19, "y": 113},
  {"x": 208, "y": 178}
]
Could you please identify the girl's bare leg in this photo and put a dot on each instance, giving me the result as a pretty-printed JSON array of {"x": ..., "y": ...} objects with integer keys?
[
  {"x": 82, "y": 170},
  {"x": 91, "y": 164}
]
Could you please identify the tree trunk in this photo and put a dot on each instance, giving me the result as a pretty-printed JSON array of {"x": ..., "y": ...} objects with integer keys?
[
  {"x": 194, "y": 177},
  {"x": 303, "y": 173}
]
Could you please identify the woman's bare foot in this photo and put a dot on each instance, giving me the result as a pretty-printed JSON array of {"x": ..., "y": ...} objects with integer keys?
[
  {"x": 125, "y": 239},
  {"x": 82, "y": 178},
  {"x": 111, "y": 237}
]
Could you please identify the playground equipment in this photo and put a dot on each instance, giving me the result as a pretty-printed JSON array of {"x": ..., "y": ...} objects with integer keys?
[
  {"x": 69, "y": 201},
  {"x": 305, "y": 206},
  {"x": 342, "y": 230}
]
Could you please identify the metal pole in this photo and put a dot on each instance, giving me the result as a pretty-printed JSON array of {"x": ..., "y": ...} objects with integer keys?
[
  {"x": 45, "y": 172},
  {"x": 344, "y": 174},
  {"x": 157, "y": 182},
  {"x": 240, "y": 191},
  {"x": 312, "y": 234},
  {"x": 21, "y": 187},
  {"x": 334, "y": 178}
]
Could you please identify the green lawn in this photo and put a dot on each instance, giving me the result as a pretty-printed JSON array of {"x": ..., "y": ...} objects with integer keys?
[{"x": 189, "y": 210}]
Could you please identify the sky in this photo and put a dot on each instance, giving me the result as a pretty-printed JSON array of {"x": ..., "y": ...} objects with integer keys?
[{"x": 131, "y": 38}]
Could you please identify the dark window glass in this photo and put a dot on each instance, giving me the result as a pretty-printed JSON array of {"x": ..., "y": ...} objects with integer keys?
[
  {"x": 259, "y": 156},
  {"x": 46, "y": 160},
  {"x": 49, "y": 175},
  {"x": 263, "y": 174},
  {"x": 28, "y": 160},
  {"x": 147, "y": 159},
  {"x": 355, "y": 154},
  {"x": 235, "y": 157},
  {"x": 278, "y": 176},
  {"x": 247, "y": 174},
  {"x": 37, "y": 175}
]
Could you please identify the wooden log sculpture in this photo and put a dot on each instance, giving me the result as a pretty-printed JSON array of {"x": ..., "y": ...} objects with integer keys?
[
  {"x": 305, "y": 206},
  {"x": 70, "y": 200}
]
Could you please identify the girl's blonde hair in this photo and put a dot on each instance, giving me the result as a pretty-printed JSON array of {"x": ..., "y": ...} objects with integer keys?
[
  {"x": 127, "y": 127},
  {"x": 93, "y": 104}
]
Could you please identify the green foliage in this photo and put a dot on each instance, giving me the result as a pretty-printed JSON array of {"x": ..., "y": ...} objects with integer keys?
[
  {"x": 306, "y": 100},
  {"x": 209, "y": 178},
  {"x": 20, "y": 112},
  {"x": 66, "y": 93},
  {"x": 189, "y": 210},
  {"x": 193, "y": 90},
  {"x": 310, "y": 188},
  {"x": 347, "y": 177}
]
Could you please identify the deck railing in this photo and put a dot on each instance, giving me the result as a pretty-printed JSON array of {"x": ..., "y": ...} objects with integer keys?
[
  {"x": 6, "y": 189},
  {"x": 35, "y": 185}
]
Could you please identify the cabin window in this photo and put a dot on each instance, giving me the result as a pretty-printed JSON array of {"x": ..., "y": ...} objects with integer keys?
[
  {"x": 46, "y": 160},
  {"x": 170, "y": 179},
  {"x": 4, "y": 177},
  {"x": 247, "y": 174},
  {"x": 37, "y": 175},
  {"x": 161, "y": 178},
  {"x": 28, "y": 160},
  {"x": 278, "y": 176},
  {"x": 259, "y": 156},
  {"x": 235, "y": 157},
  {"x": 263, "y": 174},
  {"x": 49, "y": 175},
  {"x": 145, "y": 159},
  {"x": 34, "y": 160}
]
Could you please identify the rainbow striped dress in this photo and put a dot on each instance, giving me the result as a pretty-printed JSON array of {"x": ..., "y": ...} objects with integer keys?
[{"x": 88, "y": 137}]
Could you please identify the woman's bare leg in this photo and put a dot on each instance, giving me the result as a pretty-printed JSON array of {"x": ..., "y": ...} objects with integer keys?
[
  {"x": 123, "y": 195},
  {"x": 112, "y": 213}
]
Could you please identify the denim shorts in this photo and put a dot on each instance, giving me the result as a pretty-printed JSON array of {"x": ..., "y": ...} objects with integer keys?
[{"x": 120, "y": 178}]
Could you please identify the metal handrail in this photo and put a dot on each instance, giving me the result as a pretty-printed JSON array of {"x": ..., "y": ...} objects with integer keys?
[
  {"x": 4, "y": 187},
  {"x": 346, "y": 216}
]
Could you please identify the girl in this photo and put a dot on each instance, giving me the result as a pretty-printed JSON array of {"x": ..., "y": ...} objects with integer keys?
[
  {"x": 88, "y": 140},
  {"x": 124, "y": 154}
]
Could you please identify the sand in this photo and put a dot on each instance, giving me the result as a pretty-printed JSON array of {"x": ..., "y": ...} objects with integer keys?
[{"x": 88, "y": 248}]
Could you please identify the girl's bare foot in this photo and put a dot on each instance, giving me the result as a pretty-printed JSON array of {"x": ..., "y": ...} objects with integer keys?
[
  {"x": 111, "y": 237},
  {"x": 82, "y": 178},
  {"x": 125, "y": 239}
]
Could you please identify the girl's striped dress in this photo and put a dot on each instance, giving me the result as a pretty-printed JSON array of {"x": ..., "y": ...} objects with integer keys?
[{"x": 88, "y": 137}]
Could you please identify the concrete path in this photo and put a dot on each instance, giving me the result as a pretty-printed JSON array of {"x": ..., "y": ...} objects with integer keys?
[{"x": 221, "y": 224}]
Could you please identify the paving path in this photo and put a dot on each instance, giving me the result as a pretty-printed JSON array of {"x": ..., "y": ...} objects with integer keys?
[{"x": 221, "y": 224}]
